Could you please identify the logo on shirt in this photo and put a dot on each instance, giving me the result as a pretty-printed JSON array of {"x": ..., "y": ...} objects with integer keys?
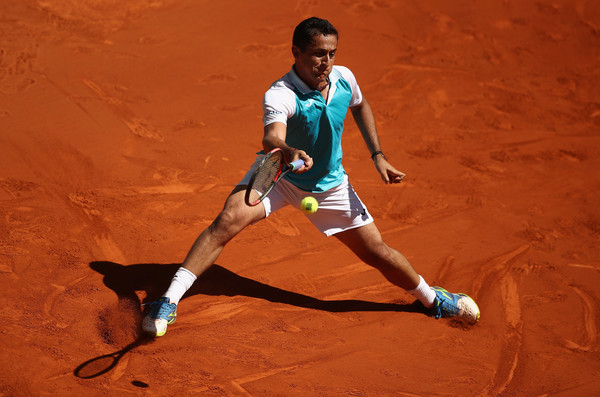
[{"x": 309, "y": 103}]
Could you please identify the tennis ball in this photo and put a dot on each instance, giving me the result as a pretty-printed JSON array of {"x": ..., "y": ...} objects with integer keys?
[{"x": 309, "y": 205}]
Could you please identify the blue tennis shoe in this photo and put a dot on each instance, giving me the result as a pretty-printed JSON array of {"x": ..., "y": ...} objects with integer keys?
[
  {"x": 162, "y": 313},
  {"x": 459, "y": 307}
]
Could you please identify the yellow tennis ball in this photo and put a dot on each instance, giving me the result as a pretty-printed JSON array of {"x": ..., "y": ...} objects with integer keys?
[{"x": 309, "y": 205}]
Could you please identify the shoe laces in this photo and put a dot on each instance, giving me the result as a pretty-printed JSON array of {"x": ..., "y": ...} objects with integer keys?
[
  {"x": 160, "y": 308},
  {"x": 445, "y": 305}
]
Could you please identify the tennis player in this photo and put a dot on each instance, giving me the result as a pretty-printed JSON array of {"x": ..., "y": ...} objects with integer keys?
[{"x": 303, "y": 114}]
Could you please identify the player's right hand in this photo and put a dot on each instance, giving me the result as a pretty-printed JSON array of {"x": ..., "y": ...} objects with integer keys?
[{"x": 308, "y": 161}]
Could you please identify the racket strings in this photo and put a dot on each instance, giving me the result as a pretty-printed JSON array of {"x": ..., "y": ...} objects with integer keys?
[{"x": 266, "y": 175}]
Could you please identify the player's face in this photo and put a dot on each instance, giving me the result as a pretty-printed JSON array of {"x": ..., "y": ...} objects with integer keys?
[{"x": 314, "y": 64}]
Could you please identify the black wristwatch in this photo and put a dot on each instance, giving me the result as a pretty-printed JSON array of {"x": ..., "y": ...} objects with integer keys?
[{"x": 377, "y": 153}]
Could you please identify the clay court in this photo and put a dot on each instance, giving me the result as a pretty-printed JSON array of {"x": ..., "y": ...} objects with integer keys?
[{"x": 124, "y": 125}]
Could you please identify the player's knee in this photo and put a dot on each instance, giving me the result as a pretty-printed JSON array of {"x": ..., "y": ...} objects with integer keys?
[
  {"x": 227, "y": 224},
  {"x": 378, "y": 254}
]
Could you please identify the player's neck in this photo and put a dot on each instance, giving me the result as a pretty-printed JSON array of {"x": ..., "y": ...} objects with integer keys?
[
  {"x": 325, "y": 90},
  {"x": 323, "y": 87}
]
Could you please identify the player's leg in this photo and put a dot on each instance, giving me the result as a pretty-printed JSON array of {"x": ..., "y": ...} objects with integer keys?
[
  {"x": 366, "y": 242},
  {"x": 234, "y": 217}
]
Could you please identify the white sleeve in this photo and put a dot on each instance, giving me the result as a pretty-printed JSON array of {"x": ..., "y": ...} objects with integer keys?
[
  {"x": 349, "y": 77},
  {"x": 279, "y": 104}
]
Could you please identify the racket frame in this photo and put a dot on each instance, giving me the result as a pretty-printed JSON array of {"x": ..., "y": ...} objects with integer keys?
[{"x": 283, "y": 169}]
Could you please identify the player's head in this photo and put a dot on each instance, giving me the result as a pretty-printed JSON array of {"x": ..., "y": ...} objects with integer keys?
[
  {"x": 314, "y": 47},
  {"x": 306, "y": 31}
]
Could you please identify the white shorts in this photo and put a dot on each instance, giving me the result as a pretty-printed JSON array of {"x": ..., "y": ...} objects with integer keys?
[{"x": 339, "y": 208}]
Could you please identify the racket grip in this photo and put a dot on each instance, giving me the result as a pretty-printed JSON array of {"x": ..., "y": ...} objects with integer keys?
[{"x": 296, "y": 164}]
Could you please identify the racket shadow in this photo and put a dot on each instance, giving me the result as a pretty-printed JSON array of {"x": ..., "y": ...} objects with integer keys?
[
  {"x": 154, "y": 279},
  {"x": 100, "y": 365}
]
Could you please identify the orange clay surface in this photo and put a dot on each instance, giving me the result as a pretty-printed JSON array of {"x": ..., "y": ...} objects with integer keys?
[{"x": 125, "y": 124}]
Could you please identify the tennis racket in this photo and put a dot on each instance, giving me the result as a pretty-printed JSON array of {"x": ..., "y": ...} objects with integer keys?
[{"x": 271, "y": 169}]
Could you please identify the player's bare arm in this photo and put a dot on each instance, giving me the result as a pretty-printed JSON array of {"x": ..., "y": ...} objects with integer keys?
[
  {"x": 274, "y": 137},
  {"x": 365, "y": 120}
]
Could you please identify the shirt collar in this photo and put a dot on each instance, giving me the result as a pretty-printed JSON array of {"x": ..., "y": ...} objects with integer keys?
[
  {"x": 297, "y": 81},
  {"x": 305, "y": 89}
]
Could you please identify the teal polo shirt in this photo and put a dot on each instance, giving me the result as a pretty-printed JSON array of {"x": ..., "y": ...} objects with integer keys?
[{"x": 314, "y": 124}]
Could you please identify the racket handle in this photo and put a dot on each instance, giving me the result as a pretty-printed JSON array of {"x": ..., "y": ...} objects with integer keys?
[{"x": 296, "y": 164}]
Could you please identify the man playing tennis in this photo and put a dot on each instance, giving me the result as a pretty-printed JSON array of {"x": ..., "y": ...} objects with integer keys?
[{"x": 303, "y": 115}]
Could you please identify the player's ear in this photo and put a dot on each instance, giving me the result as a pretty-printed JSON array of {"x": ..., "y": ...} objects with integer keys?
[{"x": 296, "y": 51}]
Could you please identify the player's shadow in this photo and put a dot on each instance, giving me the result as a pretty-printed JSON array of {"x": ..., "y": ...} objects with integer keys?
[{"x": 154, "y": 279}]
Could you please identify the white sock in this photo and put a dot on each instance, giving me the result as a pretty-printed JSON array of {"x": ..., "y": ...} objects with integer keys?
[
  {"x": 424, "y": 293},
  {"x": 182, "y": 281}
]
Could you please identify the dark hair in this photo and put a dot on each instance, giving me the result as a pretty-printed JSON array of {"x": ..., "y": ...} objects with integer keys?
[{"x": 309, "y": 28}]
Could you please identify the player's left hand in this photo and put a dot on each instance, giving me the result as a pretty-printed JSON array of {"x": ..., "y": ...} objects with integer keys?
[{"x": 388, "y": 173}]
